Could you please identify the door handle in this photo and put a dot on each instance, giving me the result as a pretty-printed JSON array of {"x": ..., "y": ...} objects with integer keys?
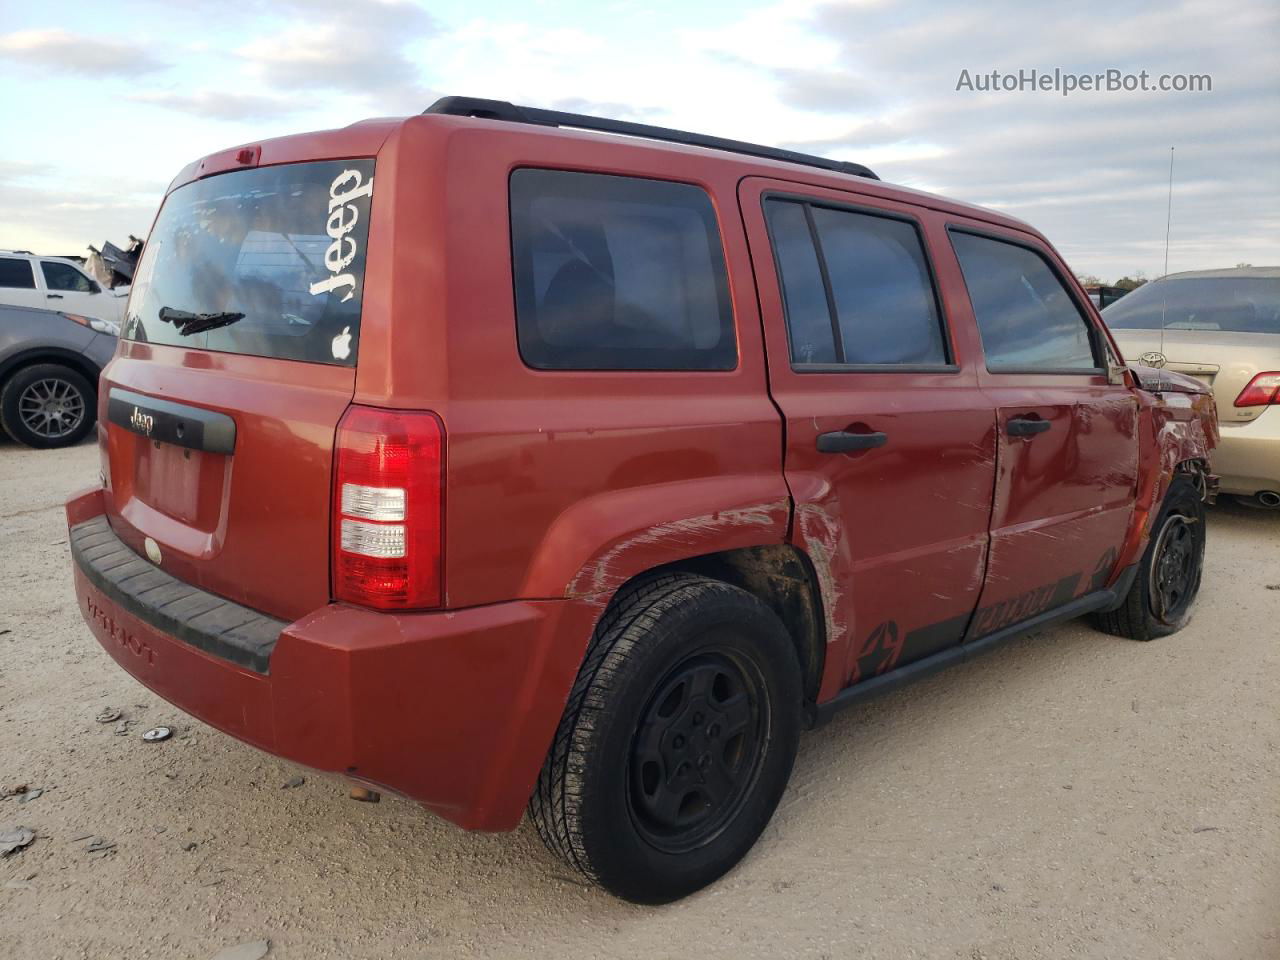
[
  {"x": 1025, "y": 426},
  {"x": 842, "y": 441},
  {"x": 54, "y": 296}
]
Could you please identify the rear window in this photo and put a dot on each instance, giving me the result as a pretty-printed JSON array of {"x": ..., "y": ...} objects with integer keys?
[
  {"x": 618, "y": 273},
  {"x": 1228, "y": 304},
  {"x": 856, "y": 287},
  {"x": 16, "y": 273},
  {"x": 284, "y": 246}
]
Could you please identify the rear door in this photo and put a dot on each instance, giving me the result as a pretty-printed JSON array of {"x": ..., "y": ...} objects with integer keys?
[
  {"x": 237, "y": 361},
  {"x": 18, "y": 283},
  {"x": 890, "y": 443},
  {"x": 1068, "y": 447}
]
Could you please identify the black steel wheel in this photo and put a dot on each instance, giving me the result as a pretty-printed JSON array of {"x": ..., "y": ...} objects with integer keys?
[
  {"x": 677, "y": 741},
  {"x": 47, "y": 405},
  {"x": 1164, "y": 592},
  {"x": 1175, "y": 567},
  {"x": 697, "y": 751}
]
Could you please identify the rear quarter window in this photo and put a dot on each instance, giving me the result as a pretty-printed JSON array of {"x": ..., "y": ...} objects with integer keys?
[{"x": 618, "y": 273}]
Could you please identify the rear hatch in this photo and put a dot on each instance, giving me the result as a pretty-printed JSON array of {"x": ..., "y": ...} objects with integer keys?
[
  {"x": 236, "y": 363},
  {"x": 1222, "y": 330}
]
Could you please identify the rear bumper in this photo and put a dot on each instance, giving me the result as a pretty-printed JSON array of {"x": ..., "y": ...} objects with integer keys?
[
  {"x": 1247, "y": 457},
  {"x": 453, "y": 709}
]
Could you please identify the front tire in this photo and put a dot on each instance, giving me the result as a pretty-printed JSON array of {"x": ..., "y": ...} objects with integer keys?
[
  {"x": 1168, "y": 582},
  {"x": 677, "y": 741},
  {"x": 47, "y": 405}
]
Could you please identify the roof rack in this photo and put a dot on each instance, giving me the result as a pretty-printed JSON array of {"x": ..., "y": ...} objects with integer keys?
[{"x": 502, "y": 110}]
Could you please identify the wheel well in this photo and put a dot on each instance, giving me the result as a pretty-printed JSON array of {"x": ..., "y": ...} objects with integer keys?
[
  {"x": 75, "y": 361},
  {"x": 783, "y": 578}
]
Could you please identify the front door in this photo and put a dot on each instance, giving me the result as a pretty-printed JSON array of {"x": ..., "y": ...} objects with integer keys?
[
  {"x": 890, "y": 442},
  {"x": 66, "y": 288},
  {"x": 1068, "y": 447}
]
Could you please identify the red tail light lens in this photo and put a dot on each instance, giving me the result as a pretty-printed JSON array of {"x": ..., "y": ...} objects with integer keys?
[
  {"x": 387, "y": 509},
  {"x": 1262, "y": 390}
]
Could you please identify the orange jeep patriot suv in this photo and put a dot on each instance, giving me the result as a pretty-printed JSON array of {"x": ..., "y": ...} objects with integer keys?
[{"x": 512, "y": 459}]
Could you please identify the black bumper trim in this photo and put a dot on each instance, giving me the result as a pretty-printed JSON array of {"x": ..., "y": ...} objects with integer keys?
[{"x": 196, "y": 617}]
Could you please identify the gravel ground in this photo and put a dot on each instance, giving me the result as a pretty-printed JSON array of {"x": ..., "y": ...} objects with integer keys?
[{"x": 1070, "y": 795}]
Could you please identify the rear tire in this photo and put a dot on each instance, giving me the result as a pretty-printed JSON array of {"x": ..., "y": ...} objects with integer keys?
[
  {"x": 47, "y": 405},
  {"x": 1164, "y": 592},
  {"x": 677, "y": 741}
]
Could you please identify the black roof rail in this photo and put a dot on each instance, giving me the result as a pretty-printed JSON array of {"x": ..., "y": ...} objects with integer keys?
[{"x": 502, "y": 110}]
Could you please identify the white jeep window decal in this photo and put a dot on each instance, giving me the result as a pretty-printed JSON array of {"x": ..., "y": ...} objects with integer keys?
[{"x": 347, "y": 187}]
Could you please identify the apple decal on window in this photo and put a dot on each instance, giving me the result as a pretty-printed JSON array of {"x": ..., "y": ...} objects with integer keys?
[{"x": 342, "y": 344}]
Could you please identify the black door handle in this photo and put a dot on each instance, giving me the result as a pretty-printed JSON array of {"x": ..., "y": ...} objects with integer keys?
[
  {"x": 842, "y": 441},
  {"x": 1025, "y": 426},
  {"x": 54, "y": 296}
]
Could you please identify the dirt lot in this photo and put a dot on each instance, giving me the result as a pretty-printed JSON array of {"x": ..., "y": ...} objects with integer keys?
[{"x": 1070, "y": 795}]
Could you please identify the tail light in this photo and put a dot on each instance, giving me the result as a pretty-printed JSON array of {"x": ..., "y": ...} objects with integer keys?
[
  {"x": 1262, "y": 390},
  {"x": 388, "y": 508}
]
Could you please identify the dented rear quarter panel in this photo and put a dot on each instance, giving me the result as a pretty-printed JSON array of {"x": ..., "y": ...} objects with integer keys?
[{"x": 559, "y": 483}]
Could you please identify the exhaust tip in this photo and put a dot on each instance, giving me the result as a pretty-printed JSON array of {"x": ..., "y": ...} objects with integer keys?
[{"x": 1269, "y": 499}]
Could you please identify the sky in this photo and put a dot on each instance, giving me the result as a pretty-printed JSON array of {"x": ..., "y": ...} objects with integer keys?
[{"x": 103, "y": 104}]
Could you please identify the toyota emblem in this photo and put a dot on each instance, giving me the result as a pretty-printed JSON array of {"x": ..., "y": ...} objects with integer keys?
[{"x": 1152, "y": 358}]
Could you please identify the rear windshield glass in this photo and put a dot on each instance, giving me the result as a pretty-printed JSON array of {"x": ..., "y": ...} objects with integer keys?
[
  {"x": 267, "y": 262},
  {"x": 1230, "y": 304}
]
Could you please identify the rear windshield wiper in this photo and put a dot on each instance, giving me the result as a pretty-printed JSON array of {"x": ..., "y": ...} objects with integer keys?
[{"x": 189, "y": 323}]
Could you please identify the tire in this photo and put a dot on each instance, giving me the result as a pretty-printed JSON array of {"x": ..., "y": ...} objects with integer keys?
[
  {"x": 47, "y": 405},
  {"x": 677, "y": 740},
  {"x": 1164, "y": 592}
]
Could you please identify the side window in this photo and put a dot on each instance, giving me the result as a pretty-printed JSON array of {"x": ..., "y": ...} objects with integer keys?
[
  {"x": 804, "y": 292},
  {"x": 16, "y": 273},
  {"x": 618, "y": 273},
  {"x": 857, "y": 287},
  {"x": 1027, "y": 319},
  {"x": 63, "y": 276}
]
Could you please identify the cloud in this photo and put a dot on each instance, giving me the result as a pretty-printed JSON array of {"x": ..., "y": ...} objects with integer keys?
[
  {"x": 1089, "y": 170},
  {"x": 869, "y": 80},
  {"x": 357, "y": 47},
  {"x": 62, "y": 219},
  {"x": 219, "y": 105},
  {"x": 78, "y": 53}
]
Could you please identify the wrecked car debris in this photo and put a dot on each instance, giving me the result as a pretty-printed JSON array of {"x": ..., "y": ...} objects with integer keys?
[
  {"x": 293, "y": 782},
  {"x": 111, "y": 266},
  {"x": 14, "y": 839},
  {"x": 99, "y": 845},
  {"x": 156, "y": 734},
  {"x": 108, "y": 715}
]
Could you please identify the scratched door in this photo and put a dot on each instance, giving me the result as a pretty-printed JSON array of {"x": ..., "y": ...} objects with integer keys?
[{"x": 890, "y": 444}]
